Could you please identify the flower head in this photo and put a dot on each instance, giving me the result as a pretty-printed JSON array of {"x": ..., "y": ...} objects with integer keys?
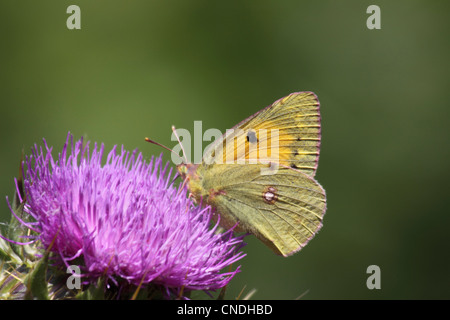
[{"x": 124, "y": 220}]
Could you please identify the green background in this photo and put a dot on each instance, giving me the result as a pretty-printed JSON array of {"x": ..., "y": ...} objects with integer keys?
[{"x": 135, "y": 68}]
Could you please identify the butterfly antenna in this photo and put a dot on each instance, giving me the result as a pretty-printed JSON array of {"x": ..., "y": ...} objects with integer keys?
[
  {"x": 181, "y": 145},
  {"x": 161, "y": 145}
]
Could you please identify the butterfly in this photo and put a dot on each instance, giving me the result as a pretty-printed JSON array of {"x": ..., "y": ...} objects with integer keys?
[{"x": 260, "y": 175}]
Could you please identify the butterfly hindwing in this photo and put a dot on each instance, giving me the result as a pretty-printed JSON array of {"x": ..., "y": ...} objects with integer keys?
[{"x": 283, "y": 209}]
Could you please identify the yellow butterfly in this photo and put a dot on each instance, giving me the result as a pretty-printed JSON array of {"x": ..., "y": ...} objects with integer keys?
[{"x": 260, "y": 175}]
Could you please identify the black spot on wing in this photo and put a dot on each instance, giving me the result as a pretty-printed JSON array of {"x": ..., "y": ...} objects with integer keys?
[{"x": 251, "y": 137}]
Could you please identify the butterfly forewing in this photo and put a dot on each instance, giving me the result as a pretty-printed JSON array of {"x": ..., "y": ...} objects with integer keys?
[{"x": 287, "y": 132}]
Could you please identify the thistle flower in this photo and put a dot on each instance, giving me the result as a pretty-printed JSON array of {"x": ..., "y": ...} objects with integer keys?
[{"x": 123, "y": 221}]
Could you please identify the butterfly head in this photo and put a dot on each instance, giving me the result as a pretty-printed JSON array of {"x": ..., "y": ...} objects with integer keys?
[
  {"x": 188, "y": 171},
  {"x": 189, "y": 174}
]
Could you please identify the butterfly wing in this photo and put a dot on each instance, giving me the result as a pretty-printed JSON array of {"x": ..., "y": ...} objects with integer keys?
[
  {"x": 288, "y": 132},
  {"x": 283, "y": 209}
]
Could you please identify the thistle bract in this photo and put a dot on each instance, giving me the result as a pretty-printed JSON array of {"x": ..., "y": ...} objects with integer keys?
[{"x": 123, "y": 220}]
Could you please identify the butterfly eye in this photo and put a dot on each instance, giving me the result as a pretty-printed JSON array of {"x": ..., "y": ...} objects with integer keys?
[{"x": 251, "y": 137}]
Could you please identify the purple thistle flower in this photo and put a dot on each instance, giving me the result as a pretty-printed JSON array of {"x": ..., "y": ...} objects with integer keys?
[{"x": 124, "y": 220}]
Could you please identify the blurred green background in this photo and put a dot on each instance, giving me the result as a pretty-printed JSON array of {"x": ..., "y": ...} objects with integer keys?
[{"x": 136, "y": 68}]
